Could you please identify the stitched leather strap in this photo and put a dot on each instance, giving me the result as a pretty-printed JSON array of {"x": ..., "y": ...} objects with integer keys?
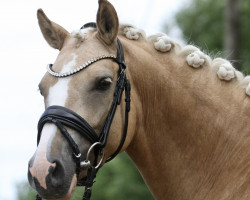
[{"x": 67, "y": 118}]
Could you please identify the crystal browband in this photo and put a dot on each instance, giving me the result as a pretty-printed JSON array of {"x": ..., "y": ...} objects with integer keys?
[{"x": 83, "y": 66}]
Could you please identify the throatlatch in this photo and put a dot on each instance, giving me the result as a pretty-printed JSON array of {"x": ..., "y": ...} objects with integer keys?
[{"x": 63, "y": 117}]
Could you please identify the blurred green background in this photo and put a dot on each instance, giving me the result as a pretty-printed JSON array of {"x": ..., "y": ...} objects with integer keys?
[{"x": 220, "y": 28}]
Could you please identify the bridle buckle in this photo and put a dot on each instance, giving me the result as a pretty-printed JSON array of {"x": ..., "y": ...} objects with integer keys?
[{"x": 78, "y": 155}]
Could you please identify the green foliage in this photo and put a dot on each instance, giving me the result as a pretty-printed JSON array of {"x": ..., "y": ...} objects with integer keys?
[
  {"x": 118, "y": 179},
  {"x": 202, "y": 24}
]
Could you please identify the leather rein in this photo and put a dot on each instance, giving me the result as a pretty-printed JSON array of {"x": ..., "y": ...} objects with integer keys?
[{"x": 63, "y": 117}]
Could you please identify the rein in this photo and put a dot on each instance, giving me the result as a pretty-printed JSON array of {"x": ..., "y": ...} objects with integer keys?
[{"x": 63, "y": 117}]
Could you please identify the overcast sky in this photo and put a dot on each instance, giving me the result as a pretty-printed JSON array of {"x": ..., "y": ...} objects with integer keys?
[{"x": 24, "y": 55}]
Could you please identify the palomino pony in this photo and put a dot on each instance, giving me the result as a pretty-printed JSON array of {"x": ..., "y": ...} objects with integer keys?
[{"x": 188, "y": 130}]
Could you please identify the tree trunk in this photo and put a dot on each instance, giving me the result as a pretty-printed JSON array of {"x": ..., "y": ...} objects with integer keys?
[{"x": 232, "y": 37}]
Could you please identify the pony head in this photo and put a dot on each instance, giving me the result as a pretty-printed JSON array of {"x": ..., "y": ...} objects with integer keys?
[{"x": 81, "y": 84}]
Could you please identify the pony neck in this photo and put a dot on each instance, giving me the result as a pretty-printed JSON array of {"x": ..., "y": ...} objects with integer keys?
[{"x": 187, "y": 145}]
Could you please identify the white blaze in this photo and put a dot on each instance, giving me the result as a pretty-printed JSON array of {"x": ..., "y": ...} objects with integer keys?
[
  {"x": 59, "y": 92},
  {"x": 41, "y": 165},
  {"x": 57, "y": 96}
]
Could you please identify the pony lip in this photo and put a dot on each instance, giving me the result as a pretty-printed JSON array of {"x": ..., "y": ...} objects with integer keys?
[{"x": 71, "y": 189}]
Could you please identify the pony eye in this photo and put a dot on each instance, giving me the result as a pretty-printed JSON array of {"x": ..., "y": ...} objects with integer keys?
[{"x": 104, "y": 84}]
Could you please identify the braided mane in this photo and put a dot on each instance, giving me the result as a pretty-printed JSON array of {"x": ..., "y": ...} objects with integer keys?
[{"x": 195, "y": 58}]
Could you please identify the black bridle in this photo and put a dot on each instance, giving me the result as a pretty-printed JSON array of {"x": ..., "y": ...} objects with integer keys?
[{"x": 63, "y": 117}]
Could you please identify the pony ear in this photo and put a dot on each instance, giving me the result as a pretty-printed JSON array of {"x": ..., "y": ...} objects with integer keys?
[
  {"x": 107, "y": 22},
  {"x": 52, "y": 32}
]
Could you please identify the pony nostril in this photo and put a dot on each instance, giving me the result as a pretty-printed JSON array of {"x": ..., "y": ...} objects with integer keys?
[{"x": 57, "y": 174}]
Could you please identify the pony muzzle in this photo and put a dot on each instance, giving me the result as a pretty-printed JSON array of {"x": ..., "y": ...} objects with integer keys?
[{"x": 50, "y": 180}]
